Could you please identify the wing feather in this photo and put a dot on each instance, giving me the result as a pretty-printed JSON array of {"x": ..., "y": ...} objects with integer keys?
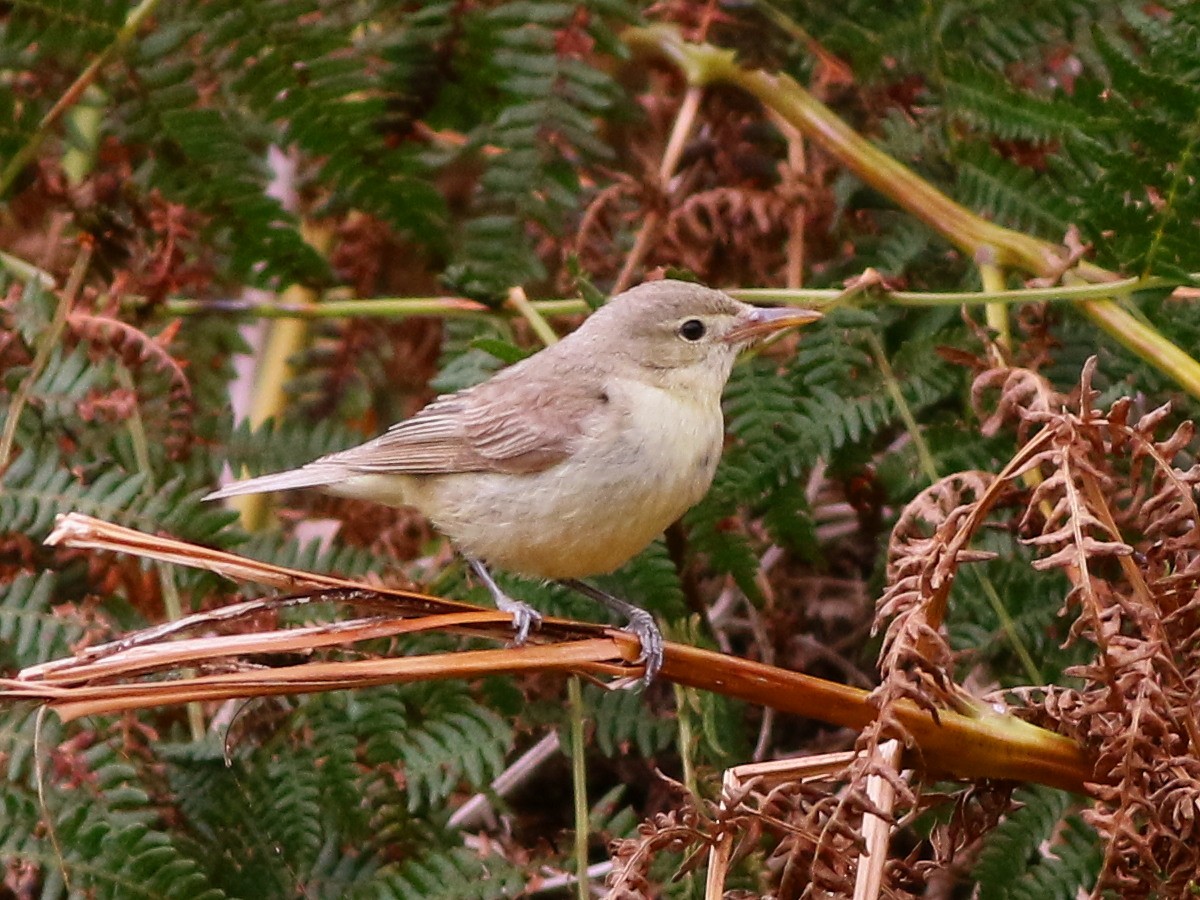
[{"x": 510, "y": 425}]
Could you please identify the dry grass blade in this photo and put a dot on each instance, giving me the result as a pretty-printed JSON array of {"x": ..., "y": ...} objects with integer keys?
[
  {"x": 740, "y": 780},
  {"x": 877, "y": 830},
  {"x": 74, "y": 700},
  {"x": 233, "y": 665}
]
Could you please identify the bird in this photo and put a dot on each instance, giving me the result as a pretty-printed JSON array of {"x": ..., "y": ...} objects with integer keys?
[{"x": 570, "y": 462}]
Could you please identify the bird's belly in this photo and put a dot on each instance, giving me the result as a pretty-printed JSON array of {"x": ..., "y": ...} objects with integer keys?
[{"x": 591, "y": 513}]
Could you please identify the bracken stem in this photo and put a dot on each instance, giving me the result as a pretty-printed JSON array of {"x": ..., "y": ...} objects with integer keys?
[
  {"x": 986, "y": 243},
  {"x": 128, "y": 31}
]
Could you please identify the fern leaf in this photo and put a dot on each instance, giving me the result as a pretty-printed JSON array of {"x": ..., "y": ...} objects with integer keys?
[
  {"x": 989, "y": 103},
  {"x": 1015, "y": 862},
  {"x": 30, "y": 630},
  {"x": 438, "y": 735},
  {"x": 1009, "y": 194},
  {"x": 455, "y": 874}
]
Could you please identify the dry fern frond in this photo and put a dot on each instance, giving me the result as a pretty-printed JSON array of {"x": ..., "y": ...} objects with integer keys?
[
  {"x": 685, "y": 829},
  {"x": 928, "y": 544},
  {"x": 136, "y": 350},
  {"x": 1113, "y": 506}
]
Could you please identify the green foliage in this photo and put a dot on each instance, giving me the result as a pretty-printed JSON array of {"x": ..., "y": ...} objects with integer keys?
[
  {"x": 1038, "y": 851},
  {"x": 106, "y": 830},
  {"x": 829, "y": 403},
  {"x": 464, "y": 147},
  {"x": 30, "y": 631},
  {"x": 38, "y": 487},
  {"x": 1151, "y": 157},
  {"x": 451, "y": 875},
  {"x": 1010, "y": 194},
  {"x": 437, "y": 735},
  {"x": 278, "y": 445},
  {"x": 542, "y": 127},
  {"x": 622, "y": 723}
]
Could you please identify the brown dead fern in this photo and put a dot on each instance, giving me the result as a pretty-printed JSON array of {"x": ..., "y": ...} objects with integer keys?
[
  {"x": 1105, "y": 499},
  {"x": 137, "y": 350}
]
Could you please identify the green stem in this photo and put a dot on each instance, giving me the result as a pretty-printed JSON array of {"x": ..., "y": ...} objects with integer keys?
[
  {"x": 380, "y": 307},
  {"x": 518, "y": 301},
  {"x": 924, "y": 454},
  {"x": 1144, "y": 341},
  {"x": 457, "y": 307},
  {"x": 1009, "y": 628},
  {"x": 992, "y": 278},
  {"x": 986, "y": 243},
  {"x": 27, "y": 271},
  {"x": 579, "y": 783},
  {"x": 687, "y": 741},
  {"x": 1073, "y": 293},
  {"x": 128, "y": 31},
  {"x": 49, "y": 340}
]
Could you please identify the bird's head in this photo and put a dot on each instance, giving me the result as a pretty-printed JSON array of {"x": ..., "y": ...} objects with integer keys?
[{"x": 682, "y": 332}]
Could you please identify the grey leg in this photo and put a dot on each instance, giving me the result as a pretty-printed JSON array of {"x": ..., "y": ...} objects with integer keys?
[
  {"x": 524, "y": 615},
  {"x": 641, "y": 624}
]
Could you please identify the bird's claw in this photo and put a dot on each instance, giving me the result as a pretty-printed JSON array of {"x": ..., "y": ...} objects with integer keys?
[
  {"x": 524, "y": 616},
  {"x": 642, "y": 626}
]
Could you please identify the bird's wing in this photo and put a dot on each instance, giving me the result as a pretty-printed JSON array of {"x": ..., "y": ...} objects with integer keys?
[{"x": 509, "y": 425}]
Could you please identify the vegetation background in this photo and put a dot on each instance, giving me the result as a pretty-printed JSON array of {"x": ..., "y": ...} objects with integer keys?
[{"x": 176, "y": 176}]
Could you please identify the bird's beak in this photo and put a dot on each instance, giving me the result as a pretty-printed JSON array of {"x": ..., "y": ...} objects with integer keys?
[{"x": 760, "y": 321}]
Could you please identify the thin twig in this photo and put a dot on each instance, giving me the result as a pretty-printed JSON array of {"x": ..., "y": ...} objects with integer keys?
[
  {"x": 579, "y": 784},
  {"x": 47, "y": 343},
  {"x": 520, "y": 302},
  {"x": 685, "y": 119},
  {"x": 125, "y": 35}
]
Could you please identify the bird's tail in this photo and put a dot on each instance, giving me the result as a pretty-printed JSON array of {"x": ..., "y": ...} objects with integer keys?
[{"x": 304, "y": 477}]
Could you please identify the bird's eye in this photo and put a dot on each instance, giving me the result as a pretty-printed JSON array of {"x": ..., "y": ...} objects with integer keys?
[{"x": 692, "y": 330}]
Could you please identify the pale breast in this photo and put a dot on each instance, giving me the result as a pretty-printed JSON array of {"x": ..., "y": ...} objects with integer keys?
[{"x": 643, "y": 463}]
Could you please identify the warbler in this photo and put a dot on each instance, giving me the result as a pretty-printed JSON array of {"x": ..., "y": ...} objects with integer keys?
[{"x": 568, "y": 463}]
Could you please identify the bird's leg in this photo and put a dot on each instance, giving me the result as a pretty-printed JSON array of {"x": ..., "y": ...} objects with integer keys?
[
  {"x": 641, "y": 624},
  {"x": 524, "y": 615}
]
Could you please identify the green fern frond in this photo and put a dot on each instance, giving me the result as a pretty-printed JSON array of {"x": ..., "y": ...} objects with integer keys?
[
  {"x": 1138, "y": 213},
  {"x": 1070, "y": 871},
  {"x": 314, "y": 555},
  {"x": 85, "y": 26},
  {"x": 438, "y": 735},
  {"x": 107, "y": 829},
  {"x": 544, "y": 132},
  {"x": 650, "y": 580},
  {"x": 454, "y": 874},
  {"x": 210, "y": 158},
  {"x": 725, "y": 550},
  {"x": 55, "y": 395},
  {"x": 1012, "y": 195},
  {"x": 30, "y": 630},
  {"x": 986, "y": 101},
  {"x": 621, "y": 720},
  {"x": 1038, "y": 851},
  {"x": 37, "y": 488},
  {"x": 285, "y": 444}
]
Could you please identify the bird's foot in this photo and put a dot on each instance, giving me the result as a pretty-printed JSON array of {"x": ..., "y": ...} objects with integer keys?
[
  {"x": 641, "y": 625},
  {"x": 524, "y": 616}
]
